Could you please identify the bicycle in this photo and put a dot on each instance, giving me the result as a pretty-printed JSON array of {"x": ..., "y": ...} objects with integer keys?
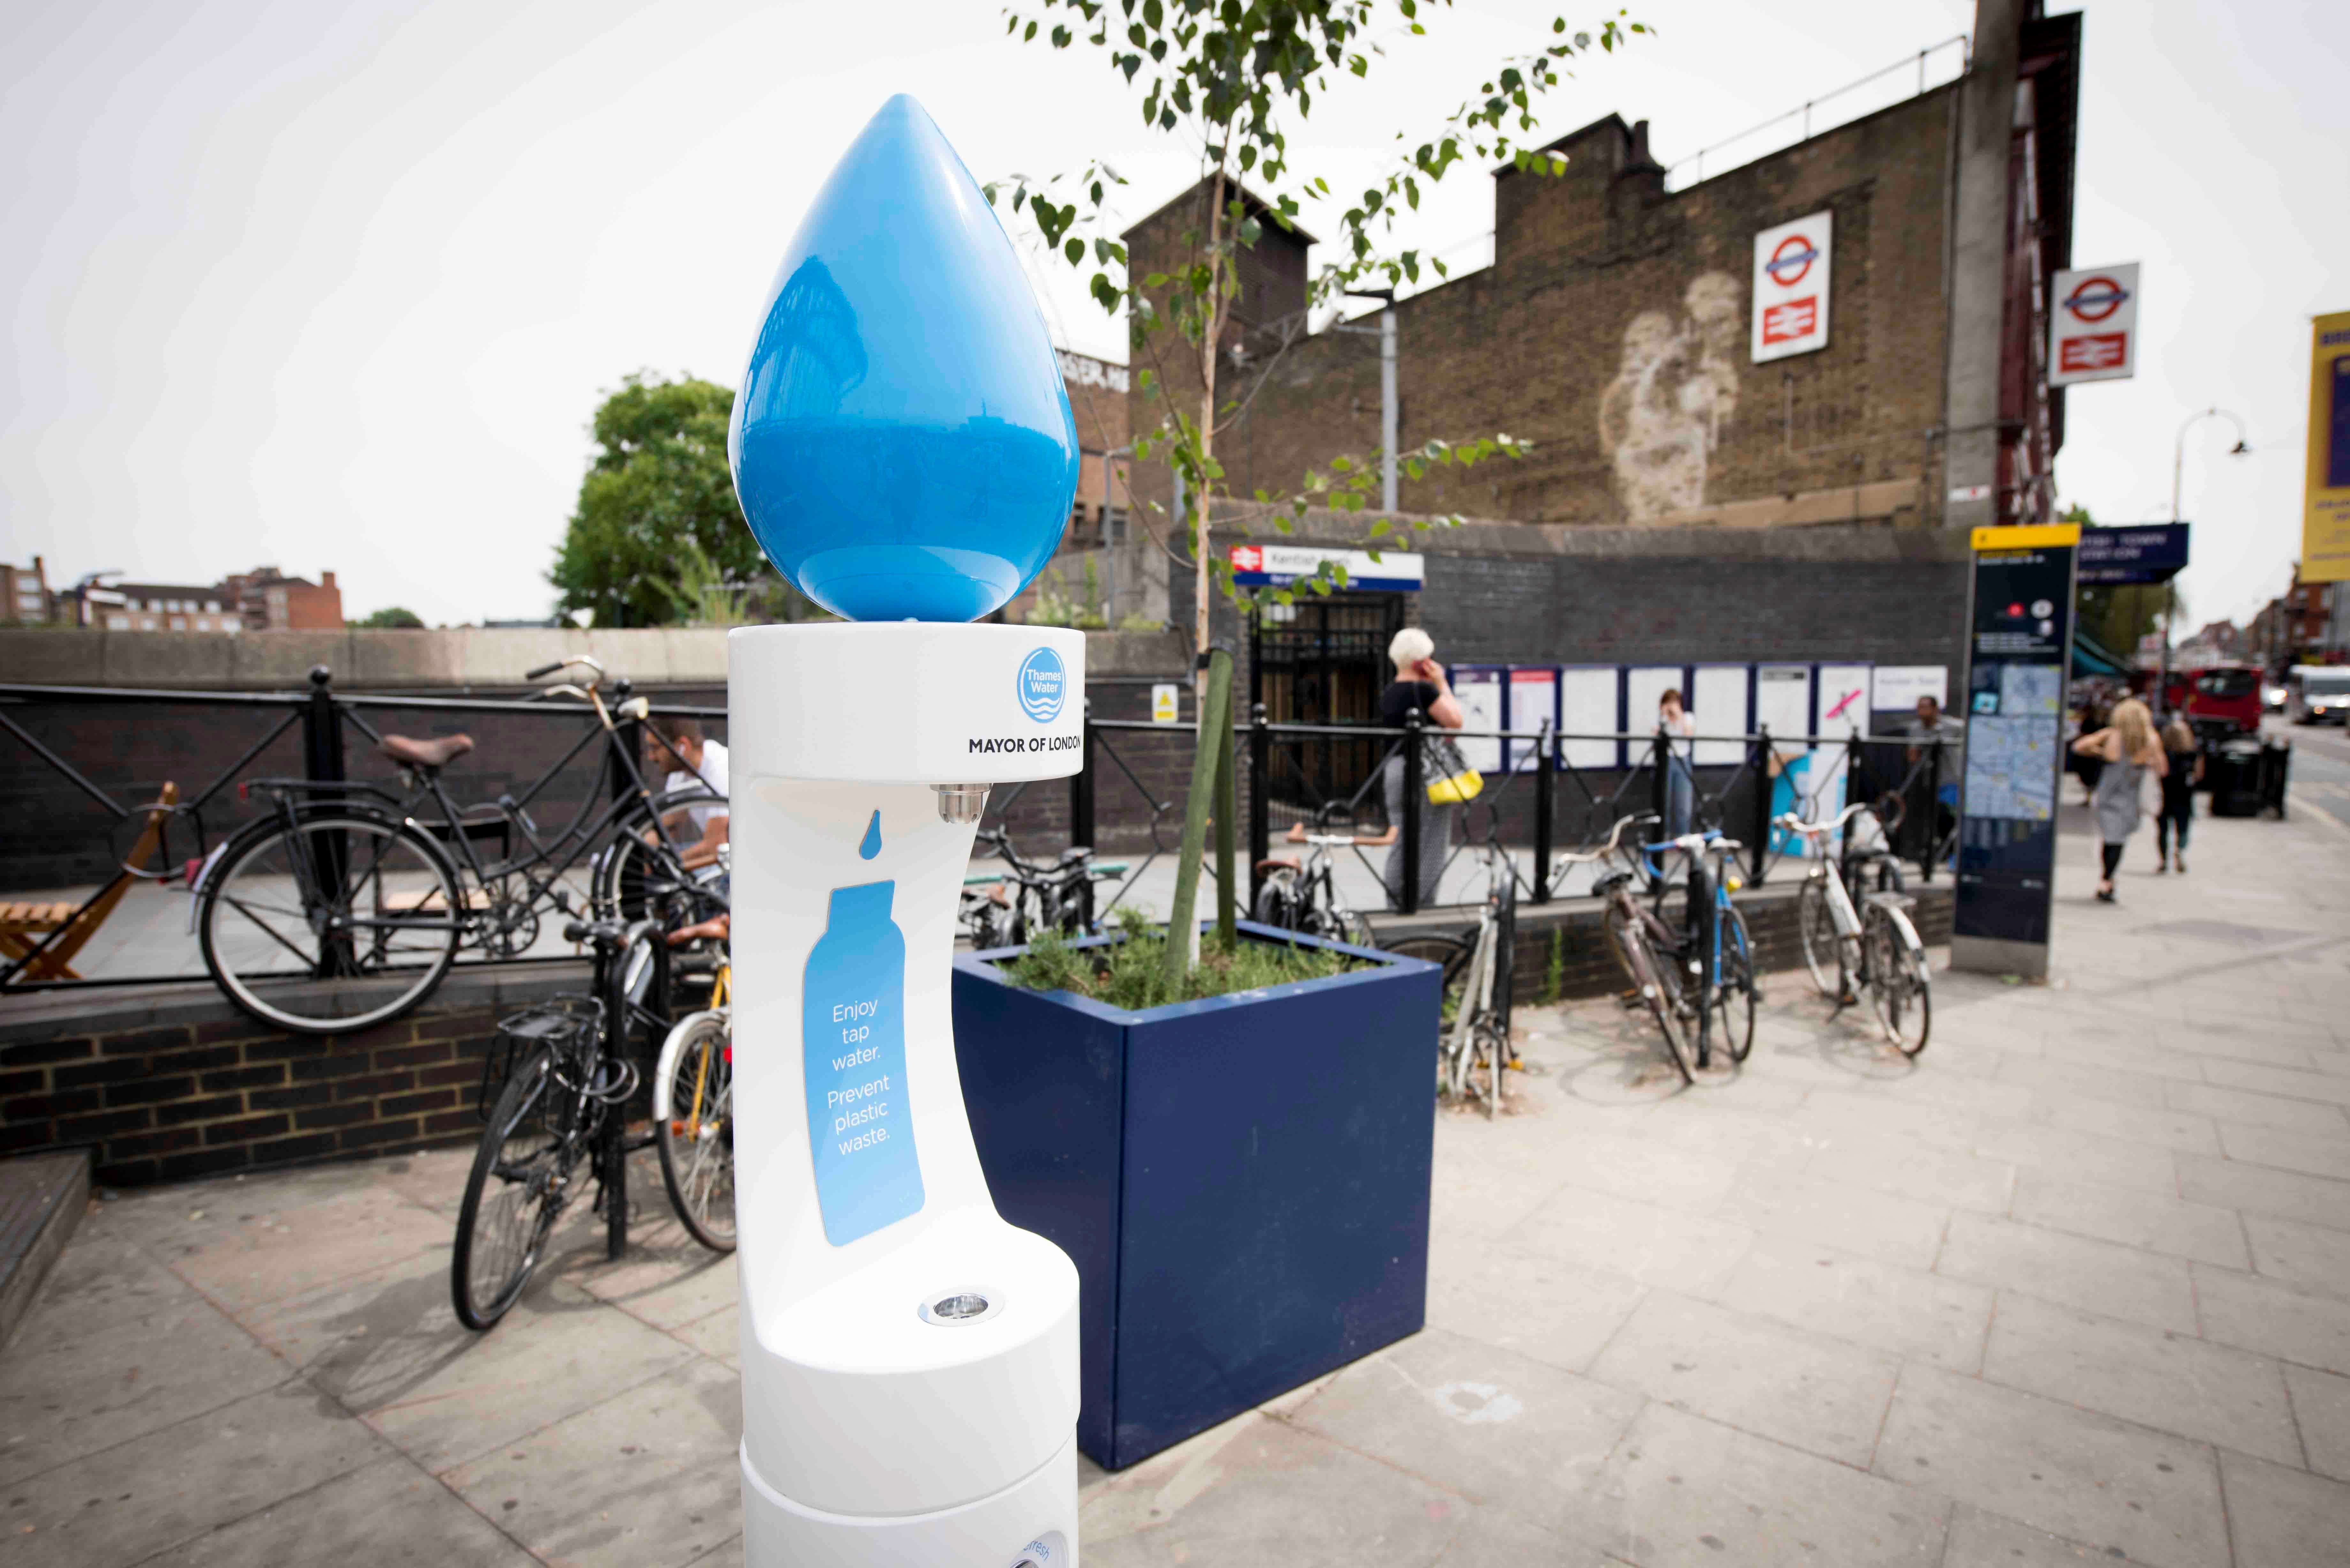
[
  {"x": 341, "y": 909},
  {"x": 1865, "y": 945},
  {"x": 1713, "y": 949},
  {"x": 1474, "y": 1034},
  {"x": 1004, "y": 909},
  {"x": 1302, "y": 895},
  {"x": 560, "y": 1118},
  {"x": 693, "y": 1107},
  {"x": 1643, "y": 945}
]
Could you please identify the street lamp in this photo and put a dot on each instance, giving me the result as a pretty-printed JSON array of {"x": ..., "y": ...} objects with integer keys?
[{"x": 2243, "y": 448}]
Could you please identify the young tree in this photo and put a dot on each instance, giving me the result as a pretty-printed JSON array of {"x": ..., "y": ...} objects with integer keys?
[
  {"x": 1232, "y": 78},
  {"x": 393, "y": 617}
]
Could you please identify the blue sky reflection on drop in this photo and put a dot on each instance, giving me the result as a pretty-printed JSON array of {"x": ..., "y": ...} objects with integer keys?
[
  {"x": 902, "y": 444},
  {"x": 871, "y": 845}
]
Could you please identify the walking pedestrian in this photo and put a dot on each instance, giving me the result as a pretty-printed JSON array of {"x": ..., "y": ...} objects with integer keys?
[
  {"x": 2129, "y": 749},
  {"x": 1420, "y": 687},
  {"x": 1674, "y": 724},
  {"x": 2183, "y": 760}
]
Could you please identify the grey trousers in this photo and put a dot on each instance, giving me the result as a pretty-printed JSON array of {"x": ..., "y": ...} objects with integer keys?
[{"x": 1435, "y": 838}]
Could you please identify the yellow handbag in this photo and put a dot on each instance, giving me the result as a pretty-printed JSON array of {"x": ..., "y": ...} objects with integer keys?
[{"x": 1451, "y": 780}]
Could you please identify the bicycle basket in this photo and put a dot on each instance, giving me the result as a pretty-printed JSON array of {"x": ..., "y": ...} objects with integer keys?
[{"x": 567, "y": 1025}]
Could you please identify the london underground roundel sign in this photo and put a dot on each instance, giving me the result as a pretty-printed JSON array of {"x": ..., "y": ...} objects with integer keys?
[{"x": 1791, "y": 287}]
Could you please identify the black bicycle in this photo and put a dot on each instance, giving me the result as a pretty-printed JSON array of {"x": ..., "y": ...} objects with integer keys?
[
  {"x": 347, "y": 903},
  {"x": 560, "y": 1118},
  {"x": 1004, "y": 909}
]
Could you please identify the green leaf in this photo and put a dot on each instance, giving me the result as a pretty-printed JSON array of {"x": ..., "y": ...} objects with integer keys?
[{"x": 1075, "y": 251}]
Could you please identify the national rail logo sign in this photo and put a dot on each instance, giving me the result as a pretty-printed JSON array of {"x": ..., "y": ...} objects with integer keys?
[
  {"x": 1791, "y": 287},
  {"x": 2092, "y": 324}
]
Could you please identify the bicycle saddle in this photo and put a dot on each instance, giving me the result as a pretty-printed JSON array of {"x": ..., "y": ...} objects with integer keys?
[
  {"x": 602, "y": 933},
  {"x": 1278, "y": 863},
  {"x": 414, "y": 753}
]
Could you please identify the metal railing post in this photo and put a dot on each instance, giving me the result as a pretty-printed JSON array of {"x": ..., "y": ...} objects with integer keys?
[
  {"x": 1927, "y": 856},
  {"x": 1081, "y": 785},
  {"x": 1545, "y": 776},
  {"x": 1757, "y": 839},
  {"x": 1851, "y": 772},
  {"x": 322, "y": 730},
  {"x": 1414, "y": 793},
  {"x": 1659, "y": 759},
  {"x": 1260, "y": 822}
]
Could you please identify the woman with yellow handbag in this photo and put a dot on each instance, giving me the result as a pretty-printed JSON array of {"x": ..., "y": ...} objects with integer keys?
[{"x": 1420, "y": 687}]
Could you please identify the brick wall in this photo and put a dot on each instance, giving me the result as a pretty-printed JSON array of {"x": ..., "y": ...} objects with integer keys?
[
  {"x": 1531, "y": 344},
  {"x": 194, "y": 1088}
]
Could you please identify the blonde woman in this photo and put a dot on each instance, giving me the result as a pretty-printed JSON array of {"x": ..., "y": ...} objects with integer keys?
[
  {"x": 1420, "y": 687},
  {"x": 2129, "y": 749}
]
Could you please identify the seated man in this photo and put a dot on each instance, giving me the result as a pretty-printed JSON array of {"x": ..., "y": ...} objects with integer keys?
[{"x": 699, "y": 826}]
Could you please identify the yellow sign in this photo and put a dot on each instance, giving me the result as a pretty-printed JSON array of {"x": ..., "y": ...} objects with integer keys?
[
  {"x": 1163, "y": 709},
  {"x": 2325, "y": 516},
  {"x": 2039, "y": 536}
]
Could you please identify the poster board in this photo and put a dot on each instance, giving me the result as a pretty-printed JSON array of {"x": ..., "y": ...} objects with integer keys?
[
  {"x": 1644, "y": 684},
  {"x": 1717, "y": 701},
  {"x": 1842, "y": 704},
  {"x": 1532, "y": 704},
  {"x": 2325, "y": 503},
  {"x": 1587, "y": 707},
  {"x": 1478, "y": 689},
  {"x": 1783, "y": 704}
]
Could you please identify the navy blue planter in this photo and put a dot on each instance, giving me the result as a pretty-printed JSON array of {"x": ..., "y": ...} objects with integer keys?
[{"x": 1242, "y": 1182}]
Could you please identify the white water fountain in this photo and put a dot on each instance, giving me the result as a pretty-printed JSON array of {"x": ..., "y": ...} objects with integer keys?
[{"x": 904, "y": 450}]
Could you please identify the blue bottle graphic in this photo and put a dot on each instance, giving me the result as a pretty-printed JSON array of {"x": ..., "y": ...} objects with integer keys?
[{"x": 853, "y": 1053}]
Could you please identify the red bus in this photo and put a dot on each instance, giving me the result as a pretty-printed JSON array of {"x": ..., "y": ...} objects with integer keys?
[{"x": 2221, "y": 699}]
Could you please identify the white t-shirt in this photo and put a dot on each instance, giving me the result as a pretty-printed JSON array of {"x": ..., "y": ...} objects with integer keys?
[{"x": 713, "y": 774}]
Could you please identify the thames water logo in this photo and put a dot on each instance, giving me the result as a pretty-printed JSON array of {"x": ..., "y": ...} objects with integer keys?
[{"x": 1044, "y": 683}]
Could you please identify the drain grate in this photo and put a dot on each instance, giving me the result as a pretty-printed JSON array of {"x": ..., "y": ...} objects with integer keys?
[{"x": 2225, "y": 931}]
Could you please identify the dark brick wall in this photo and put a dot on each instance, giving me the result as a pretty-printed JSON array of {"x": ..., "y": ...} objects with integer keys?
[
  {"x": 1678, "y": 610},
  {"x": 163, "y": 1103}
]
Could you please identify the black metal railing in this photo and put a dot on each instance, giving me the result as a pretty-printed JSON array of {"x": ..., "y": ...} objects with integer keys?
[
  {"x": 1128, "y": 795},
  {"x": 205, "y": 816}
]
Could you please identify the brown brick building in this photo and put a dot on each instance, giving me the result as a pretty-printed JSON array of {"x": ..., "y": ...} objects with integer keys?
[
  {"x": 264, "y": 599},
  {"x": 1804, "y": 507}
]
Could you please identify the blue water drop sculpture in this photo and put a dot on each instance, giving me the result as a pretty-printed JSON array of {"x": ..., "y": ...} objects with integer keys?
[
  {"x": 871, "y": 845},
  {"x": 902, "y": 443}
]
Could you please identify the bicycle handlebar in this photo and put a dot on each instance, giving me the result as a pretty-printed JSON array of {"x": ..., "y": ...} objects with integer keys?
[
  {"x": 1568, "y": 858},
  {"x": 1795, "y": 823},
  {"x": 545, "y": 671}
]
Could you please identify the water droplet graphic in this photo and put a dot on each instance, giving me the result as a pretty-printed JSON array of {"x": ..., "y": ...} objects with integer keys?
[
  {"x": 871, "y": 845},
  {"x": 902, "y": 443}
]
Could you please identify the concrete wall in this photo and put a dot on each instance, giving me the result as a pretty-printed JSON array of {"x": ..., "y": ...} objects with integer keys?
[{"x": 462, "y": 659}]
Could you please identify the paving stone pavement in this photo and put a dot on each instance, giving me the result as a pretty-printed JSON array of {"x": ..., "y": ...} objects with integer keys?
[{"x": 2073, "y": 1287}]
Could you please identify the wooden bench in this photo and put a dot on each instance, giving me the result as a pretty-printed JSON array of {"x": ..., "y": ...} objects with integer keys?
[{"x": 59, "y": 930}]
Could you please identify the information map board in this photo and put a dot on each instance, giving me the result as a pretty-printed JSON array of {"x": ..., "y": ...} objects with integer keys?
[{"x": 2020, "y": 649}]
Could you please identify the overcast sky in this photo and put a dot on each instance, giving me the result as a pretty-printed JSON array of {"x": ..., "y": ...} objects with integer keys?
[{"x": 339, "y": 286}]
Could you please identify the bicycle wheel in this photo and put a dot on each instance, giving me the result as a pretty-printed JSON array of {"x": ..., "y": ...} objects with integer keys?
[
  {"x": 1451, "y": 954},
  {"x": 1732, "y": 1002},
  {"x": 1659, "y": 991},
  {"x": 1815, "y": 923},
  {"x": 341, "y": 921},
  {"x": 693, "y": 1126},
  {"x": 1902, "y": 991},
  {"x": 1489, "y": 1051},
  {"x": 635, "y": 879},
  {"x": 520, "y": 1181}
]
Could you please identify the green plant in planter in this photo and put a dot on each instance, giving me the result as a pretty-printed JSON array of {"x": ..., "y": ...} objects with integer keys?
[
  {"x": 1131, "y": 973},
  {"x": 1231, "y": 77}
]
